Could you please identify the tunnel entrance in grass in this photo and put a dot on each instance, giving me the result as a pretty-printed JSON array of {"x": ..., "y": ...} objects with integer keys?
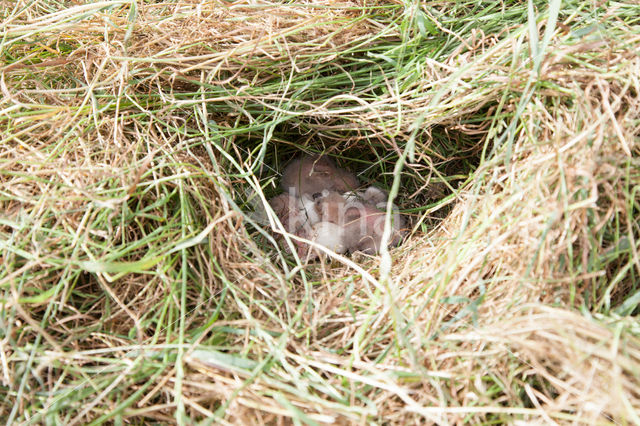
[{"x": 444, "y": 159}]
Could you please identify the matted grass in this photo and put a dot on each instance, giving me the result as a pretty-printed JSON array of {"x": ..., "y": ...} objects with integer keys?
[{"x": 138, "y": 138}]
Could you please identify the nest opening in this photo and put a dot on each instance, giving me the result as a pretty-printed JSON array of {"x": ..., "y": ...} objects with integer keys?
[{"x": 429, "y": 180}]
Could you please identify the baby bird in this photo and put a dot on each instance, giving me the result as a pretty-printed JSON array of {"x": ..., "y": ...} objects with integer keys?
[{"x": 312, "y": 174}]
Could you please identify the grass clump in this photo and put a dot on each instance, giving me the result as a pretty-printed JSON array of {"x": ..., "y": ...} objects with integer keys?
[{"x": 136, "y": 285}]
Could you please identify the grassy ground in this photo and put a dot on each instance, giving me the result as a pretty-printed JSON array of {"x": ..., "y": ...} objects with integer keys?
[{"x": 137, "y": 138}]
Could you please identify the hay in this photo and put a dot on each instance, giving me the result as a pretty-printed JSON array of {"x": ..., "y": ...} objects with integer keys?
[{"x": 137, "y": 138}]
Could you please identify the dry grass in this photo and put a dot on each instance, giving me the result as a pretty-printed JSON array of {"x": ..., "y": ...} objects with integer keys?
[{"x": 136, "y": 286}]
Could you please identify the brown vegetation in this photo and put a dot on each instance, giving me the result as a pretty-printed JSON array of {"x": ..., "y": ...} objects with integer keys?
[{"x": 136, "y": 284}]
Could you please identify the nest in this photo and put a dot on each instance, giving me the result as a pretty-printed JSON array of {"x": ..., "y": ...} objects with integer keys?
[{"x": 137, "y": 285}]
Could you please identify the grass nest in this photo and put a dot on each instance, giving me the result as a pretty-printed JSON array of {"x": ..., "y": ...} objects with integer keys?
[{"x": 138, "y": 138}]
